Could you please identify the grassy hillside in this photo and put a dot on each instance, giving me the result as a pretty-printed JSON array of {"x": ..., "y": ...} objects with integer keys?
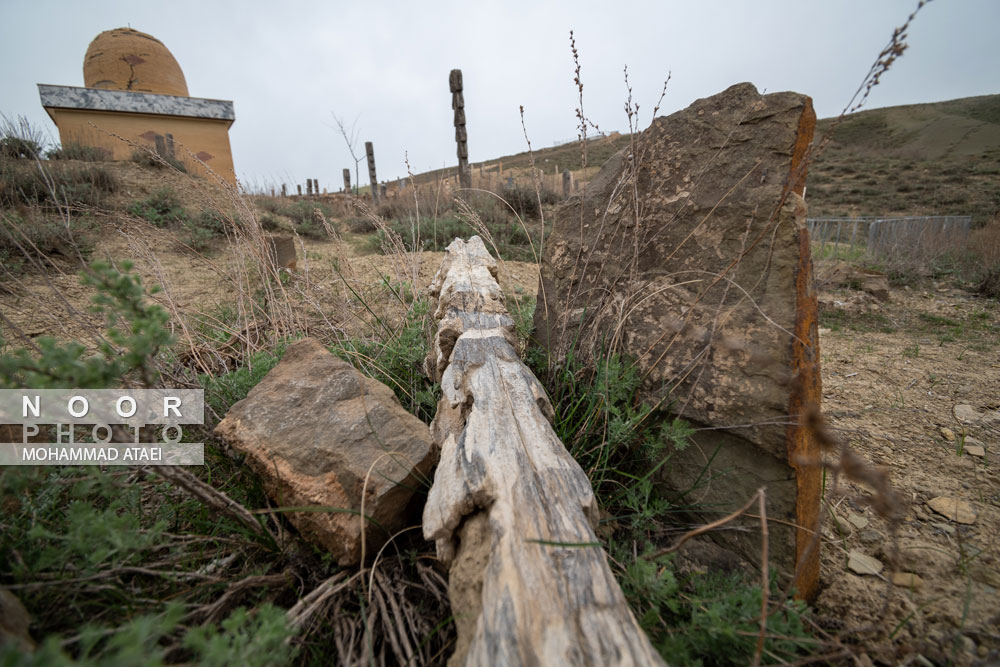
[
  {"x": 939, "y": 158},
  {"x": 921, "y": 159}
]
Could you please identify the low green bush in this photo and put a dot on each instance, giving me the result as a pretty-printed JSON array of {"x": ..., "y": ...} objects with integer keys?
[
  {"x": 74, "y": 151},
  {"x": 161, "y": 208}
]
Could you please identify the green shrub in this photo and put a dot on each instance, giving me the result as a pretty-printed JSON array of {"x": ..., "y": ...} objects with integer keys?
[
  {"x": 200, "y": 231},
  {"x": 25, "y": 239},
  {"x": 17, "y": 148},
  {"x": 74, "y": 151},
  {"x": 161, "y": 208},
  {"x": 32, "y": 183},
  {"x": 304, "y": 218},
  {"x": 270, "y": 222},
  {"x": 525, "y": 200}
]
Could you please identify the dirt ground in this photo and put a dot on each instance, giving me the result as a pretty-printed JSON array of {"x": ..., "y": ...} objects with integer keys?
[{"x": 893, "y": 375}]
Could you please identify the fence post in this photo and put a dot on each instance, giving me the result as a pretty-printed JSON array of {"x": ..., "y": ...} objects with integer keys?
[
  {"x": 284, "y": 190},
  {"x": 461, "y": 136},
  {"x": 299, "y": 186},
  {"x": 347, "y": 181},
  {"x": 370, "y": 153}
]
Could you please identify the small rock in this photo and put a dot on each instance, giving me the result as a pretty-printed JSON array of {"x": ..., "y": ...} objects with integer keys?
[
  {"x": 907, "y": 580},
  {"x": 857, "y": 521},
  {"x": 859, "y": 563},
  {"x": 966, "y": 413},
  {"x": 953, "y": 508},
  {"x": 975, "y": 450},
  {"x": 948, "y": 434},
  {"x": 870, "y": 537},
  {"x": 14, "y": 622},
  {"x": 944, "y": 527},
  {"x": 317, "y": 432},
  {"x": 823, "y": 331}
]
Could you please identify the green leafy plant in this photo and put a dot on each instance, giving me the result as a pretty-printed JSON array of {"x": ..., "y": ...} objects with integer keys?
[{"x": 162, "y": 207}]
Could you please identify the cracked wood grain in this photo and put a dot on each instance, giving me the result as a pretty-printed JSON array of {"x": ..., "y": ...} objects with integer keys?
[{"x": 510, "y": 511}]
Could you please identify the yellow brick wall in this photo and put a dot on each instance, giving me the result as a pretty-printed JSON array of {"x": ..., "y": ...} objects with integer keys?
[{"x": 206, "y": 138}]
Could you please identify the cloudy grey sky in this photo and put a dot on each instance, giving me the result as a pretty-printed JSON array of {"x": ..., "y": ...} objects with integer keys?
[{"x": 288, "y": 66}]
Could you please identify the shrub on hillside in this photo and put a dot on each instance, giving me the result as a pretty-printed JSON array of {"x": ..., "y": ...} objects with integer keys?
[
  {"x": 34, "y": 183},
  {"x": 17, "y": 148},
  {"x": 74, "y": 151},
  {"x": 161, "y": 208}
]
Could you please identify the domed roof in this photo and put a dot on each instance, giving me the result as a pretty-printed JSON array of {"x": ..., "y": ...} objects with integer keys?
[{"x": 126, "y": 59}]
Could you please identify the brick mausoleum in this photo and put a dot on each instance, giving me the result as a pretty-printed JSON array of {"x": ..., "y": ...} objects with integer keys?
[{"x": 134, "y": 88}]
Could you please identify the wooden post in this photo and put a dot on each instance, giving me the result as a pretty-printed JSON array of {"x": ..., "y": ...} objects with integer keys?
[
  {"x": 567, "y": 183},
  {"x": 284, "y": 190},
  {"x": 347, "y": 181},
  {"x": 316, "y": 185},
  {"x": 370, "y": 152},
  {"x": 511, "y": 512},
  {"x": 299, "y": 186},
  {"x": 461, "y": 136},
  {"x": 309, "y": 186}
]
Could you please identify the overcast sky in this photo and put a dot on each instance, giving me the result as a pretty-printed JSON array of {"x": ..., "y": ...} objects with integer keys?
[{"x": 289, "y": 66}]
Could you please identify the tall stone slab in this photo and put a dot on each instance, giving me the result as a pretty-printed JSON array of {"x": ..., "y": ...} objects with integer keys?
[{"x": 689, "y": 254}]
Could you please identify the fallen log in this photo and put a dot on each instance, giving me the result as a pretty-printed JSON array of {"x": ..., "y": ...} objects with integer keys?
[{"x": 510, "y": 511}]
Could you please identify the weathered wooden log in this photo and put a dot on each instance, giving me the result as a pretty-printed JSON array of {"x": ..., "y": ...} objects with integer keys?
[{"x": 510, "y": 511}]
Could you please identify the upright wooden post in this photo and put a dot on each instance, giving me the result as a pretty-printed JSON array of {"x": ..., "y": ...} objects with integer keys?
[
  {"x": 309, "y": 186},
  {"x": 370, "y": 152},
  {"x": 316, "y": 186},
  {"x": 511, "y": 512},
  {"x": 461, "y": 136},
  {"x": 284, "y": 190},
  {"x": 347, "y": 181},
  {"x": 567, "y": 183}
]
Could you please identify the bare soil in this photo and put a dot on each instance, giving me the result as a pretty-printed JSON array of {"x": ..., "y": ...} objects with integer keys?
[{"x": 892, "y": 376}]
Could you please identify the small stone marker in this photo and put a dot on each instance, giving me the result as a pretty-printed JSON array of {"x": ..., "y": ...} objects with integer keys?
[
  {"x": 975, "y": 450},
  {"x": 955, "y": 509},
  {"x": 283, "y": 252},
  {"x": 860, "y": 563},
  {"x": 907, "y": 580},
  {"x": 857, "y": 521}
]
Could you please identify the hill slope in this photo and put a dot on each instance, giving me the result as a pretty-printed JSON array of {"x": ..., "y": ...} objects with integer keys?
[{"x": 921, "y": 159}]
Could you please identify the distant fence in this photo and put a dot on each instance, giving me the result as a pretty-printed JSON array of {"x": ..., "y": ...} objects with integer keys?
[{"x": 905, "y": 238}]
